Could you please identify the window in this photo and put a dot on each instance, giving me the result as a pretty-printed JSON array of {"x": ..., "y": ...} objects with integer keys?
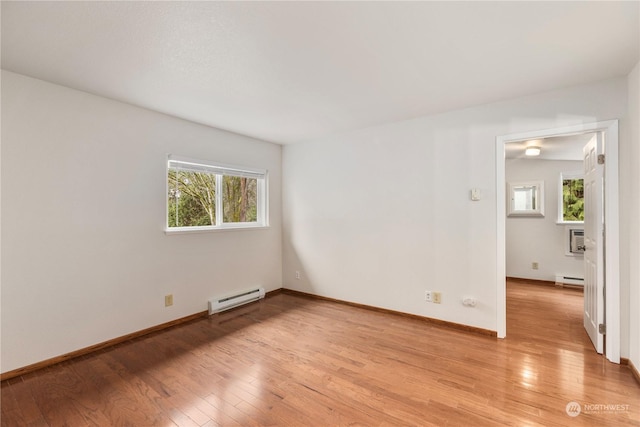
[
  {"x": 571, "y": 200},
  {"x": 203, "y": 195},
  {"x": 526, "y": 198}
]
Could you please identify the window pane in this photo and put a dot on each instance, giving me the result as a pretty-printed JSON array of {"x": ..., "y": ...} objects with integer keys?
[
  {"x": 240, "y": 199},
  {"x": 191, "y": 198},
  {"x": 524, "y": 198},
  {"x": 197, "y": 190},
  {"x": 573, "y": 200}
]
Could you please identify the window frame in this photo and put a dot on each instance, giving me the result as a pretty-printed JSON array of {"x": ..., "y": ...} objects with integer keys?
[
  {"x": 563, "y": 177},
  {"x": 537, "y": 188},
  {"x": 219, "y": 169}
]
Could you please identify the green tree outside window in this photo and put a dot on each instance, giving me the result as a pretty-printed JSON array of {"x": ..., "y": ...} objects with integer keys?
[{"x": 573, "y": 199}]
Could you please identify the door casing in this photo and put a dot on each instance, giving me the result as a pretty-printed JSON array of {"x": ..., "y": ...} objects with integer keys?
[{"x": 609, "y": 129}]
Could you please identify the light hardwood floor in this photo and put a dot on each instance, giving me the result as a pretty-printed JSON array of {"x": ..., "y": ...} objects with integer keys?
[{"x": 291, "y": 360}]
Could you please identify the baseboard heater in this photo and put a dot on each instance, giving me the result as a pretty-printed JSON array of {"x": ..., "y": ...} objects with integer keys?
[
  {"x": 569, "y": 280},
  {"x": 216, "y": 305}
]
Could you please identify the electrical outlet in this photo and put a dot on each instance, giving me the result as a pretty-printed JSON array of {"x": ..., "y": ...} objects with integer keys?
[
  {"x": 168, "y": 300},
  {"x": 298, "y": 275},
  {"x": 534, "y": 265},
  {"x": 437, "y": 297},
  {"x": 427, "y": 296}
]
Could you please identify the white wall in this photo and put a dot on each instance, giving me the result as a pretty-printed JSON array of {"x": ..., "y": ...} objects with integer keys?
[
  {"x": 540, "y": 239},
  {"x": 380, "y": 215},
  {"x": 84, "y": 255},
  {"x": 633, "y": 195}
]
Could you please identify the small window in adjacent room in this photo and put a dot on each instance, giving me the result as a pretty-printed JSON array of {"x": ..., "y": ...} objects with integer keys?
[
  {"x": 207, "y": 196},
  {"x": 526, "y": 199},
  {"x": 571, "y": 200}
]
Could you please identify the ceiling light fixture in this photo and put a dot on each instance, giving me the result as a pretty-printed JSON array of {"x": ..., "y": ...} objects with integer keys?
[{"x": 532, "y": 151}]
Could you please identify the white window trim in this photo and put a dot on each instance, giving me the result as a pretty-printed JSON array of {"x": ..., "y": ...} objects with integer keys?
[
  {"x": 540, "y": 196},
  {"x": 262, "y": 175},
  {"x": 563, "y": 176}
]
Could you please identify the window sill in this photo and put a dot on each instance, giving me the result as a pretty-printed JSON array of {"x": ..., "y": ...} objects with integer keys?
[
  {"x": 196, "y": 230},
  {"x": 570, "y": 222}
]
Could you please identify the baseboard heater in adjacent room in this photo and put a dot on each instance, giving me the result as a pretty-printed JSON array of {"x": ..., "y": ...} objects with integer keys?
[
  {"x": 216, "y": 305},
  {"x": 569, "y": 280}
]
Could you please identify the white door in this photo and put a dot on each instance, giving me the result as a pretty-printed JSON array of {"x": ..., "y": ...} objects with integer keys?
[{"x": 594, "y": 240}]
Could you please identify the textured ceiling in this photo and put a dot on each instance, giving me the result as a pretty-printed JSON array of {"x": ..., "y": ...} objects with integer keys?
[{"x": 295, "y": 71}]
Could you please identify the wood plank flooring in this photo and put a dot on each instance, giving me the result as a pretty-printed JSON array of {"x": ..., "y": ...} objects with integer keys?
[{"x": 295, "y": 361}]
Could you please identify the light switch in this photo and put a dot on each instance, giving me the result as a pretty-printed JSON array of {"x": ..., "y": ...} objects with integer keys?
[{"x": 475, "y": 194}]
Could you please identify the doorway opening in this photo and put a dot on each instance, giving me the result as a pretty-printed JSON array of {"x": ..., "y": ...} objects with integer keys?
[{"x": 609, "y": 133}]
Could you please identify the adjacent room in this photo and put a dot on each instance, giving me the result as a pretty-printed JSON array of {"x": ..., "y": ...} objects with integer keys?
[{"x": 320, "y": 213}]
